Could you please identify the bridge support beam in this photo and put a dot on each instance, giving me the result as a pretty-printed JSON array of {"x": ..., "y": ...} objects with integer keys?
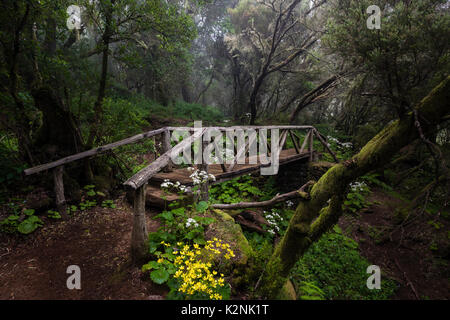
[
  {"x": 139, "y": 235},
  {"x": 59, "y": 191},
  {"x": 204, "y": 189}
]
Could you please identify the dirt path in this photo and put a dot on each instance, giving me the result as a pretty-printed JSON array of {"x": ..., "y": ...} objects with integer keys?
[
  {"x": 403, "y": 252},
  {"x": 96, "y": 240}
]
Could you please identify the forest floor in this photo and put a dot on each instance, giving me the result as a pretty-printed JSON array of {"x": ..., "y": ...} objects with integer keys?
[
  {"x": 404, "y": 252},
  {"x": 97, "y": 240}
]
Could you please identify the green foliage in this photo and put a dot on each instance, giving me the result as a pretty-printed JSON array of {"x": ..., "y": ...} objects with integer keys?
[
  {"x": 164, "y": 266},
  {"x": 25, "y": 222},
  {"x": 29, "y": 225},
  {"x": 334, "y": 266},
  {"x": 373, "y": 179},
  {"x": 185, "y": 110},
  {"x": 180, "y": 225},
  {"x": 356, "y": 198},
  {"x": 201, "y": 207},
  {"x": 108, "y": 204},
  {"x": 10, "y": 168},
  {"x": 278, "y": 220},
  {"x": 124, "y": 118},
  {"x": 53, "y": 214},
  {"x": 87, "y": 204},
  {"x": 194, "y": 111},
  {"x": 309, "y": 291},
  {"x": 409, "y": 46},
  {"x": 10, "y": 224},
  {"x": 235, "y": 190}
]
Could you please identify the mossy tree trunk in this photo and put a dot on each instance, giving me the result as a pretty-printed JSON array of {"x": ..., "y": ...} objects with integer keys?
[{"x": 314, "y": 217}]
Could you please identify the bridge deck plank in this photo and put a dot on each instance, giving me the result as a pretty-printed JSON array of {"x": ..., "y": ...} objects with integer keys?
[{"x": 182, "y": 175}]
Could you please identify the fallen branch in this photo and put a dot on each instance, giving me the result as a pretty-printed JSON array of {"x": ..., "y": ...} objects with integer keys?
[
  {"x": 278, "y": 198},
  {"x": 249, "y": 225},
  {"x": 408, "y": 282}
]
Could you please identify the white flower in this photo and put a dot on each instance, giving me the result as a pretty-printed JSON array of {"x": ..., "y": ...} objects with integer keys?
[
  {"x": 190, "y": 222},
  {"x": 289, "y": 203},
  {"x": 201, "y": 177},
  {"x": 357, "y": 186},
  {"x": 347, "y": 145}
]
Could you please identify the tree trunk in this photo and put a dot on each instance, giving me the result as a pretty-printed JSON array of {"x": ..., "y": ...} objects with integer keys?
[
  {"x": 314, "y": 217},
  {"x": 98, "y": 107}
]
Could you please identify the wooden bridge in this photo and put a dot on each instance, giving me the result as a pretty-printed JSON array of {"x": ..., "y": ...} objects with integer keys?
[{"x": 162, "y": 168}]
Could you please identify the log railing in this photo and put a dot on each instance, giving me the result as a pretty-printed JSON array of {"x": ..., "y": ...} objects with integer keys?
[{"x": 138, "y": 182}]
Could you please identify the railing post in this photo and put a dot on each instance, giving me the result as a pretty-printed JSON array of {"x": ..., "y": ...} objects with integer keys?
[
  {"x": 139, "y": 235},
  {"x": 166, "y": 147},
  {"x": 204, "y": 188},
  {"x": 59, "y": 190},
  {"x": 311, "y": 145},
  {"x": 294, "y": 142},
  {"x": 155, "y": 147},
  {"x": 305, "y": 142}
]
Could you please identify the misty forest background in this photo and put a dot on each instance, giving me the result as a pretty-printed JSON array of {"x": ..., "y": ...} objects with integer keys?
[{"x": 133, "y": 66}]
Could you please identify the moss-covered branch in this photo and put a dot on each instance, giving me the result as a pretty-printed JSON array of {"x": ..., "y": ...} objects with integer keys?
[{"x": 312, "y": 218}]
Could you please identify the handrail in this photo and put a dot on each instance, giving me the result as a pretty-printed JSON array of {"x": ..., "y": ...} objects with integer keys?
[
  {"x": 138, "y": 137},
  {"x": 92, "y": 152},
  {"x": 140, "y": 178}
]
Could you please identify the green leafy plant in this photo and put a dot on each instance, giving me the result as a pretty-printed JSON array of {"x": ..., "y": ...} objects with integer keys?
[
  {"x": 87, "y": 204},
  {"x": 163, "y": 267},
  {"x": 235, "y": 190},
  {"x": 53, "y": 214},
  {"x": 108, "y": 204},
  {"x": 24, "y": 222},
  {"x": 373, "y": 179},
  {"x": 29, "y": 225},
  {"x": 72, "y": 209},
  {"x": 309, "y": 291},
  {"x": 181, "y": 225},
  {"x": 356, "y": 198},
  {"x": 10, "y": 224}
]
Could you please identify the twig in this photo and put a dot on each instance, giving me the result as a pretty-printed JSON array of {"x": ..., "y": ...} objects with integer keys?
[{"x": 408, "y": 282}]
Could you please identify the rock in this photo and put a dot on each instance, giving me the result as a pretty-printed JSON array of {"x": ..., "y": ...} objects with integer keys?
[{"x": 226, "y": 229}]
